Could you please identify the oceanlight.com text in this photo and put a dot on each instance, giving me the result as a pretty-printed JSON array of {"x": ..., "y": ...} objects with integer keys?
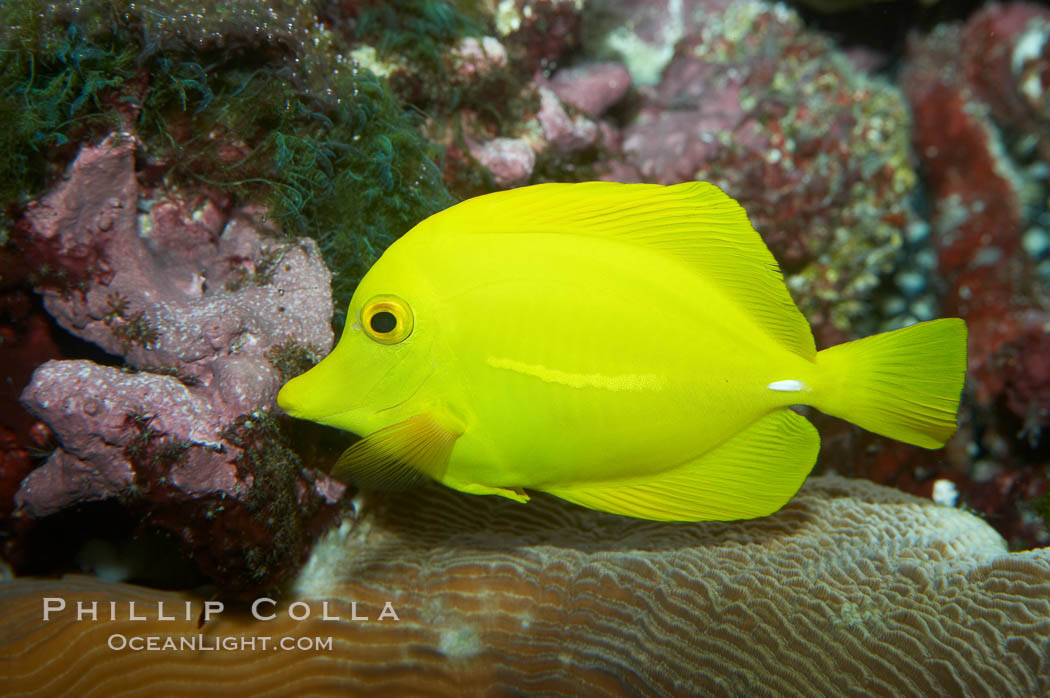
[{"x": 211, "y": 643}]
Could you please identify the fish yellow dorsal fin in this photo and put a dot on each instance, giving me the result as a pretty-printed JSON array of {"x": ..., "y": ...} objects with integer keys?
[
  {"x": 752, "y": 474},
  {"x": 397, "y": 457},
  {"x": 695, "y": 222}
]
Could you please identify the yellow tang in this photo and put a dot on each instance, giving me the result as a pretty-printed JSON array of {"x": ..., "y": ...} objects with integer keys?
[{"x": 631, "y": 348}]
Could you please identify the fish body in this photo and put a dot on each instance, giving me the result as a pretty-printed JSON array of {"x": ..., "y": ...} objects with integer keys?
[{"x": 630, "y": 348}]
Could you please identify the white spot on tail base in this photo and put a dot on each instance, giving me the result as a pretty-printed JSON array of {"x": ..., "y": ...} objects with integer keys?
[{"x": 787, "y": 386}]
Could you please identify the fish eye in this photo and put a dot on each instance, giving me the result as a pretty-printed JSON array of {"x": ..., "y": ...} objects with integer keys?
[
  {"x": 387, "y": 319},
  {"x": 383, "y": 322}
]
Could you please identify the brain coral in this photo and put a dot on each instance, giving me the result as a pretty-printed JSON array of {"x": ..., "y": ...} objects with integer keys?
[{"x": 852, "y": 589}]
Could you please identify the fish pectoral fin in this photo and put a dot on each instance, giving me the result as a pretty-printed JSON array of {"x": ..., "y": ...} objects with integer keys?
[
  {"x": 398, "y": 456},
  {"x": 752, "y": 474}
]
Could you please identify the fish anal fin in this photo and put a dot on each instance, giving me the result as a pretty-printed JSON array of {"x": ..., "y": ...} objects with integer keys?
[
  {"x": 753, "y": 474},
  {"x": 694, "y": 222},
  {"x": 399, "y": 456}
]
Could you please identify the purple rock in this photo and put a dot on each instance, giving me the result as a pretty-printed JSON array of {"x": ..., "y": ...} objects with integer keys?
[
  {"x": 564, "y": 132},
  {"x": 649, "y": 30},
  {"x": 64, "y": 480},
  {"x": 175, "y": 294},
  {"x": 754, "y": 102},
  {"x": 510, "y": 160},
  {"x": 201, "y": 304},
  {"x": 472, "y": 58},
  {"x": 592, "y": 88}
]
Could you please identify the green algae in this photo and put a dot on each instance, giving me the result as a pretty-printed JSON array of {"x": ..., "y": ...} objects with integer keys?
[
  {"x": 292, "y": 358},
  {"x": 264, "y": 105},
  {"x": 420, "y": 31}
]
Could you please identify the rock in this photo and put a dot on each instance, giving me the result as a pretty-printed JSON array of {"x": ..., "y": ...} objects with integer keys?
[
  {"x": 538, "y": 31},
  {"x": 971, "y": 116},
  {"x": 92, "y": 410},
  {"x": 178, "y": 290},
  {"x": 645, "y": 32},
  {"x": 850, "y": 584},
  {"x": 593, "y": 87},
  {"x": 65, "y": 480},
  {"x": 473, "y": 58},
  {"x": 1006, "y": 62},
  {"x": 816, "y": 152},
  {"x": 565, "y": 133},
  {"x": 208, "y": 309},
  {"x": 509, "y": 160},
  {"x": 26, "y": 340}
]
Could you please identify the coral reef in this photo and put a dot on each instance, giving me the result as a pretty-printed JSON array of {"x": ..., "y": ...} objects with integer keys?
[
  {"x": 980, "y": 125},
  {"x": 978, "y": 194},
  {"x": 219, "y": 134},
  {"x": 25, "y": 341},
  {"x": 213, "y": 312},
  {"x": 538, "y": 32},
  {"x": 267, "y": 106},
  {"x": 816, "y": 152},
  {"x": 181, "y": 289},
  {"x": 592, "y": 87},
  {"x": 488, "y": 100},
  {"x": 209, "y": 139},
  {"x": 850, "y": 585}
]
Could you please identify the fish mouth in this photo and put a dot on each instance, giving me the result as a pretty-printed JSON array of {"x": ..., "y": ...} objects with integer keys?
[
  {"x": 351, "y": 419},
  {"x": 287, "y": 402}
]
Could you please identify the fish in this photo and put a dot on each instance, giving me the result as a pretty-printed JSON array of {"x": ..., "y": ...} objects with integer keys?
[{"x": 630, "y": 348}]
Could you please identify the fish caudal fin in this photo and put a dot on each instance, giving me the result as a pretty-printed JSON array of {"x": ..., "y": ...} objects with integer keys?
[
  {"x": 903, "y": 384},
  {"x": 752, "y": 474}
]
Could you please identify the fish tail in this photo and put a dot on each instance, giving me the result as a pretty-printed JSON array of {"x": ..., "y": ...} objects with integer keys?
[{"x": 903, "y": 384}]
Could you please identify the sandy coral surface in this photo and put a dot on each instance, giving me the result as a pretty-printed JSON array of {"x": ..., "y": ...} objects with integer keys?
[{"x": 851, "y": 589}]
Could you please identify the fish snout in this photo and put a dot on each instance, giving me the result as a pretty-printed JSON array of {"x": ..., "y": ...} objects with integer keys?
[
  {"x": 291, "y": 397},
  {"x": 318, "y": 394}
]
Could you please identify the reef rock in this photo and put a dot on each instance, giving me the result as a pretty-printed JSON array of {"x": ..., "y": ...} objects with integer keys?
[
  {"x": 851, "y": 588},
  {"x": 510, "y": 126},
  {"x": 92, "y": 411},
  {"x": 179, "y": 289},
  {"x": 25, "y": 341},
  {"x": 508, "y": 160},
  {"x": 979, "y": 97},
  {"x": 593, "y": 87},
  {"x": 976, "y": 123},
  {"x": 815, "y": 151},
  {"x": 213, "y": 312}
]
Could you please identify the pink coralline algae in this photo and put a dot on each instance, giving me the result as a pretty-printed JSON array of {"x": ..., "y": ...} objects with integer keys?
[
  {"x": 520, "y": 124},
  {"x": 92, "y": 410},
  {"x": 1006, "y": 63},
  {"x": 592, "y": 88},
  {"x": 549, "y": 130},
  {"x": 565, "y": 133},
  {"x": 975, "y": 126},
  {"x": 180, "y": 289},
  {"x": 977, "y": 94},
  {"x": 815, "y": 152},
  {"x": 209, "y": 313},
  {"x": 472, "y": 58},
  {"x": 508, "y": 160}
]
